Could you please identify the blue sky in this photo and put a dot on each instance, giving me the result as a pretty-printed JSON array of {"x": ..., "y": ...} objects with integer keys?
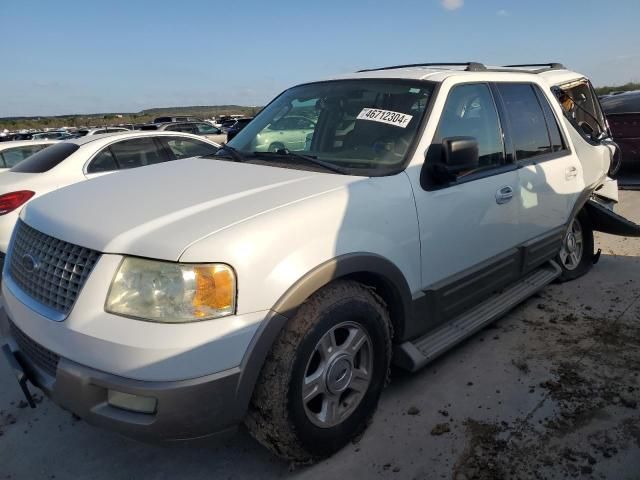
[{"x": 77, "y": 56}]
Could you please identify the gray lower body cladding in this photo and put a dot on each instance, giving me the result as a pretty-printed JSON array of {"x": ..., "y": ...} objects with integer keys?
[{"x": 186, "y": 409}]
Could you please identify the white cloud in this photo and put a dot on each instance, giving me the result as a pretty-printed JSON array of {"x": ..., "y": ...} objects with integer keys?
[
  {"x": 452, "y": 4},
  {"x": 502, "y": 13}
]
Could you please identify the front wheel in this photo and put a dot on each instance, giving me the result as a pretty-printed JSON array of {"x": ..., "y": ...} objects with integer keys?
[
  {"x": 321, "y": 381},
  {"x": 576, "y": 255}
]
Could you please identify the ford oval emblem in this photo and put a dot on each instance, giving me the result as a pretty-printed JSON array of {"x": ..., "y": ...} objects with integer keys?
[{"x": 29, "y": 263}]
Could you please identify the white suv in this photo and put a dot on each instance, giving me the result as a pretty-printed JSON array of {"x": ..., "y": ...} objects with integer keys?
[{"x": 277, "y": 287}]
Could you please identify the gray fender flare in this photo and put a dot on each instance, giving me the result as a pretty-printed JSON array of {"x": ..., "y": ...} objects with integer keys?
[{"x": 287, "y": 305}]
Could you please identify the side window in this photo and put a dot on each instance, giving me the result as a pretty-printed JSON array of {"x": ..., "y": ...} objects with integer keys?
[
  {"x": 527, "y": 123},
  {"x": 103, "y": 162},
  {"x": 187, "y": 147},
  {"x": 557, "y": 142},
  {"x": 185, "y": 128},
  {"x": 137, "y": 152},
  {"x": 471, "y": 112},
  {"x": 206, "y": 128}
]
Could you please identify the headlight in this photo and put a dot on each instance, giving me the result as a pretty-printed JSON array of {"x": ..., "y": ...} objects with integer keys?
[{"x": 170, "y": 292}]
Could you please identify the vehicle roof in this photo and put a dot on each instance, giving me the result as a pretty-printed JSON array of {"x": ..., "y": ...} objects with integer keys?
[
  {"x": 108, "y": 137},
  {"x": 552, "y": 76},
  {"x": 101, "y": 128},
  {"x": 23, "y": 143}
]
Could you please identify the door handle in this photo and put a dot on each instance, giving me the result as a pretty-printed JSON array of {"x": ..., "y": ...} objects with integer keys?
[
  {"x": 570, "y": 172},
  {"x": 504, "y": 195}
]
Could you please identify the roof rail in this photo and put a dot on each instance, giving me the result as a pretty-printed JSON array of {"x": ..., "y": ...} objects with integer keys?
[
  {"x": 544, "y": 66},
  {"x": 470, "y": 66}
]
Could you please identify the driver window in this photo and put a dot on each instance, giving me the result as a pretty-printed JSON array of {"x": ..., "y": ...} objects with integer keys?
[{"x": 471, "y": 112}]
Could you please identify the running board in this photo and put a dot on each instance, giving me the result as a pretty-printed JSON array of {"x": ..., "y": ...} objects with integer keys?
[{"x": 417, "y": 353}]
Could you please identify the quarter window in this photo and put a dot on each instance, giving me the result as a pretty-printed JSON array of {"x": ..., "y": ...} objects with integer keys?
[
  {"x": 471, "y": 112},
  {"x": 103, "y": 162},
  {"x": 526, "y": 119}
]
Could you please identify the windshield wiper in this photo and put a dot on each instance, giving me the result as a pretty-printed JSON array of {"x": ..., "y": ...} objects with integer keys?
[
  {"x": 283, "y": 152},
  {"x": 235, "y": 154}
]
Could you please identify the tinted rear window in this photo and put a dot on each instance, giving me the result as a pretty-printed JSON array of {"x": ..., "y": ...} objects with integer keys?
[{"x": 46, "y": 159}]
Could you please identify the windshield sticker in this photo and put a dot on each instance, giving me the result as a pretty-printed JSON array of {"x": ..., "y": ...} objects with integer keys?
[{"x": 385, "y": 116}]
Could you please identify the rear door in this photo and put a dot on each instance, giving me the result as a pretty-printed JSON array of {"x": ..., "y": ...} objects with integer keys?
[{"x": 550, "y": 175}]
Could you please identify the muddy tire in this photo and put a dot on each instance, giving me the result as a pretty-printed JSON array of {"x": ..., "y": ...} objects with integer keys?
[
  {"x": 323, "y": 377},
  {"x": 576, "y": 256}
]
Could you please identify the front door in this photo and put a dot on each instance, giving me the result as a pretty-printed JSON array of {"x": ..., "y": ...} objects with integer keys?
[{"x": 468, "y": 226}]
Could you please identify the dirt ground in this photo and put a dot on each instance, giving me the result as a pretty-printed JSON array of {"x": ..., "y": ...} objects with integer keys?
[{"x": 552, "y": 390}]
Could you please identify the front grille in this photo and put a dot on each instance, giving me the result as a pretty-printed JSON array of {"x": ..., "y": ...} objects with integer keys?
[
  {"x": 34, "y": 352},
  {"x": 49, "y": 270}
]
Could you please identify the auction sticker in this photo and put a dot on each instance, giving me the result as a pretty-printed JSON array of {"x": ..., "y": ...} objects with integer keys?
[{"x": 385, "y": 116}]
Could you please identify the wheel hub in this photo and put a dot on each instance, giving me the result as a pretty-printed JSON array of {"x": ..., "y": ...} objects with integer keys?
[
  {"x": 339, "y": 374},
  {"x": 571, "y": 242}
]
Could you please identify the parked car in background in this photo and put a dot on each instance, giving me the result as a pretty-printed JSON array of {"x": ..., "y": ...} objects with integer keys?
[
  {"x": 83, "y": 132},
  {"x": 79, "y": 159},
  {"x": 12, "y": 153},
  {"x": 6, "y": 136},
  {"x": 204, "y": 129},
  {"x": 179, "y": 118},
  {"x": 53, "y": 135},
  {"x": 24, "y": 135},
  {"x": 290, "y": 132},
  {"x": 623, "y": 114},
  {"x": 237, "y": 127}
]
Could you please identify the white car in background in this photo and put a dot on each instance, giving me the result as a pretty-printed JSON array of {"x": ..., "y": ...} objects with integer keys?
[
  {"x": 85, "y": 132},
  {"x": 80, "y": 159},
  {"x": 12, "y": 153}
]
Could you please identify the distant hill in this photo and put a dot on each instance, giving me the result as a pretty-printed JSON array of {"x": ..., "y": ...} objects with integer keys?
[
  {"x": 200, "y": 110},
  {"x": 114, "y": 118},
  {"x": 620, "y": 88}
]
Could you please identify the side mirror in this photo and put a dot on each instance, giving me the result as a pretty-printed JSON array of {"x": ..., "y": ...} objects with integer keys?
[
  {"x": 445, "y": 161},
  {"x": 460, "y": 154}
]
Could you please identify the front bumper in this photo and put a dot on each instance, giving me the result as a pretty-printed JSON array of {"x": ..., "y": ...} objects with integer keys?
[{"x": 185, "y": 409}]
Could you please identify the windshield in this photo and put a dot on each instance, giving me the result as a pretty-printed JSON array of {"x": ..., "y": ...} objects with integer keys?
[{"x": 364, "y": 127}]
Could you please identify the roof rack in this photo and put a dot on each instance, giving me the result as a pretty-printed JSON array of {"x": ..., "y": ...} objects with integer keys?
[
  {"x": 480, "y": 67},
  {"x": 470, "y": 66},
  {"x": 547, "y": 66}
]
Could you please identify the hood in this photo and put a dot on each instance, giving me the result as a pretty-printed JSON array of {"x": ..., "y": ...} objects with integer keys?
[{"x": 158, "y": 211}]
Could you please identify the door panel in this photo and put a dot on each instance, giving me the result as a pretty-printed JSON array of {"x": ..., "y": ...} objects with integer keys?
[
  {"x": 548, "y": 191},
  {"x": 476, "y": 218},
  {"x": 463, "y": 225}
]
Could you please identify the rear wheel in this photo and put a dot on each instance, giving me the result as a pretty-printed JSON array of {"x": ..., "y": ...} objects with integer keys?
[
  {"x": 576, "y": 255},
  {"x": 274, "y": 147},
  {"x": 321, "y": 381}
]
